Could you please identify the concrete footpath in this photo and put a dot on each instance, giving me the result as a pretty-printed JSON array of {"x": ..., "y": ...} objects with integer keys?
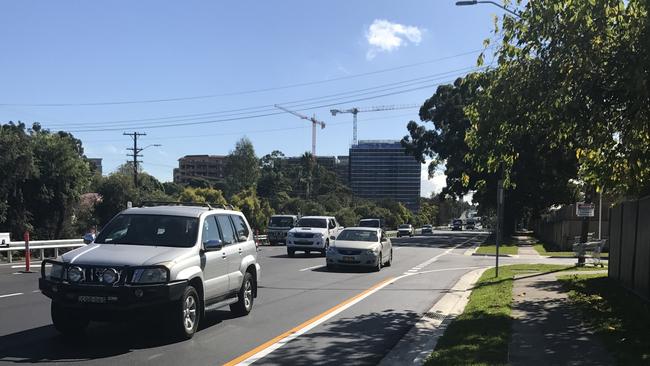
[{"x": 546, "y": 329}]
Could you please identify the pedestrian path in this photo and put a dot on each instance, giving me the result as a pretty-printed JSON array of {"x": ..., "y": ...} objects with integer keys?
[{"x": 547, "y": 330}]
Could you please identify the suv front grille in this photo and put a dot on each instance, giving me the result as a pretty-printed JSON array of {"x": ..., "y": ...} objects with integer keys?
[
  {"x": 303, "y": 235},
  {"x": 349, "y": 251},
  {"x": 93, "y": 275}
]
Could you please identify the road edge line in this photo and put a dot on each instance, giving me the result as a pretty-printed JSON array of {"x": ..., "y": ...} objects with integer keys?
[
  {"x": 411, "y": 349},
  {"x": 271, "y": 345}
]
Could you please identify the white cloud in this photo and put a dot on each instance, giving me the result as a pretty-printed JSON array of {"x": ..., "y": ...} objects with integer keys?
[{"x": 384, "y": 36}]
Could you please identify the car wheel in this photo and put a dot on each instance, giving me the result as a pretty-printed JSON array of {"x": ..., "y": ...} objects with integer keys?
[
  {"x": 324, "y": 251},
  {"x": 379, "y": 263},
  {"x": 186, "y": 314},
  {"x": 245, "y": 303},
  {"x": 291, "y": 252},
  {"x": 67, "y": 321},
  {"x": 390, "y": 259}
]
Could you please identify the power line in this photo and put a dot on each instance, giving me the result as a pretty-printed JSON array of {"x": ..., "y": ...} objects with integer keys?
[
  {"x": 270, "y": 108},
  {"x": 259, "y": 130},
  {"x": 262, "y": 115},
  {"x": 252, "y": 91}
]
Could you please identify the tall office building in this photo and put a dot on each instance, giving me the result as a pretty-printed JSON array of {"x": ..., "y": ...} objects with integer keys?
[
  {"x": 380, "y": 169},
  {"x": 210, "y": 167}
]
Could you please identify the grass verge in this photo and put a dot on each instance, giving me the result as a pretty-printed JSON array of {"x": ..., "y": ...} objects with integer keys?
[
  {"x": 480, "y": 335},
  {"x": 620, "y": 318},
  {"x": 504, "y": 249}
]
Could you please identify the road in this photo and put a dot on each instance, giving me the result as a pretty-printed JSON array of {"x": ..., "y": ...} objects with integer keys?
[{"x": 341, "y": 317}]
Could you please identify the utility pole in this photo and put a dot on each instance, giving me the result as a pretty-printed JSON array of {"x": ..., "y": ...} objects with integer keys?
[{"x": 135, "y": 153}]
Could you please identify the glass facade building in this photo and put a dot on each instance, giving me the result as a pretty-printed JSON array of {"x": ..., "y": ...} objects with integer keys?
[{"x": 382, "y": 170}]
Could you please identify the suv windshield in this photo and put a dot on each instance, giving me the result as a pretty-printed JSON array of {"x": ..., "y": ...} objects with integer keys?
[
  {"x": 154, "y": 230},
  {"x": 312, "y": 223},
  {"x": 404, "y": 226},
  {"x": 357, "y": 235},
  {"x": 281, "y": 221},
  {"x": 369, "y": 223}
]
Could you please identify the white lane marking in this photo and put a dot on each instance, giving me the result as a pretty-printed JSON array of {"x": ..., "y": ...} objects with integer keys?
[
  {"x": 82, "y": 253},
  {"x": 449, "y": 269},
  {"x": 32, "y": 264},
  {"x": 312, "y": 267},
  {"x": 10, "y": 295},
  {"x": 431, "y": 260},
  {"x": 283, "y": 341},
  {"x": 36, "y": 291}
]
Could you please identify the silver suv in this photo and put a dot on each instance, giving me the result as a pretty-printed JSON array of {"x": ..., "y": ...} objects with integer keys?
[{"x": 178, "y": 260}]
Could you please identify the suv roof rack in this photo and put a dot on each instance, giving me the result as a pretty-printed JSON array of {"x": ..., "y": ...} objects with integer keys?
[{"x": 172, "y": 203}]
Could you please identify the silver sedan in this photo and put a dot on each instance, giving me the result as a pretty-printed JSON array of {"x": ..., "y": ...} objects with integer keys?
[{"x": 360, "y": 246}]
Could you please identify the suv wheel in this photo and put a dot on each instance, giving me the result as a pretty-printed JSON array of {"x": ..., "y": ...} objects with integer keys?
[
  {"x": 291, "y": 252},
  {"x": 67, "y": 321},
  {"x": 186, "y": 314},
  {"x": 245, "y": 303},
  {"x": 379, "y": 263},
  {"x": 324, "y": 251}
]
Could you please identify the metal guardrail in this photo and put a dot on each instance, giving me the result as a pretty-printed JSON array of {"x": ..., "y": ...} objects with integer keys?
[{"x": 40, "y": 245}]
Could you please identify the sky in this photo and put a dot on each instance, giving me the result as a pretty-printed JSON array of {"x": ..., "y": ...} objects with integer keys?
[{"x": 196, "y": 76}]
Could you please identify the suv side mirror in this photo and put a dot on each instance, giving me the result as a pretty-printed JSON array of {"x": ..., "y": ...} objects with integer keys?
[
  {"x": 212, "y": 245},
  {"x": 332, "y": 237}
]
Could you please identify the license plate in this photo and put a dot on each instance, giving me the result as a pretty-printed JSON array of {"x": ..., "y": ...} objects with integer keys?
[
  {"x": 92, "y": 299},
  {"x": 347, "y": 259}
]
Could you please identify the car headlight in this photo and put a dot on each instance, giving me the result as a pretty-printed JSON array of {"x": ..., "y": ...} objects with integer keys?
[
  {"x": 55, "y": 271},
  {"x": 150, "y": 275},
  {"x": 373, "y": 251},
  {"x": 110, "y": 276},
  {"x": 75, "y": 274}
]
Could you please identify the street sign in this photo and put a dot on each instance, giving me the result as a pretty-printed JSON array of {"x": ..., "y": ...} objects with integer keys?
[{"x": 585, "y": 209}]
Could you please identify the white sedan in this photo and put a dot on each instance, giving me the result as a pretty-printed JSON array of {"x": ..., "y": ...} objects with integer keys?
[{"x": 361, "y": 247}]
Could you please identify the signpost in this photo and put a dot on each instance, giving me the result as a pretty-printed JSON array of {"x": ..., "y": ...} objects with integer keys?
[
  {"x": 499, "y": 220},
  {"x": 585, "y": 209}
]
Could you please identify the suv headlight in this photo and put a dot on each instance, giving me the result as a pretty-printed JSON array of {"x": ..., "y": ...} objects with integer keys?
[{"x": 150, "y": 275}]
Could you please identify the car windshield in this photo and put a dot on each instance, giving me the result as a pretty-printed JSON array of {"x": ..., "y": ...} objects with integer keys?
[
  {"x": 458, "y": 222},
  {"x": 281, "y": 221},
  {"x": 306, "y": 222},
  {"x": 358, "y": 235},
  {"x": 404, "y": 226},
  {"x": 153, "y": 230},
  {"x": 369, "y": 223}
]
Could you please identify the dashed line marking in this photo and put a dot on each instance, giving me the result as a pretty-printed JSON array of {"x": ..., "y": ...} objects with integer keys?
[
  {"x": 312, "y": 267},
  {"x": 10, "y": 295}
]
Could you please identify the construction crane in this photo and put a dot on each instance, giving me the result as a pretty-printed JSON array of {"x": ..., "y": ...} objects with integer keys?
[
  {"x": 356, "y": 110},
  {"x": 314, "y": 122}
]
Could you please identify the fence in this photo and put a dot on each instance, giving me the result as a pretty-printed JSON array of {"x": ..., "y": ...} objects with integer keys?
[
  {"x": 629, "y": 254},
  {"x": 40, "y": 246},
  {"x": 561, "y": 226}
]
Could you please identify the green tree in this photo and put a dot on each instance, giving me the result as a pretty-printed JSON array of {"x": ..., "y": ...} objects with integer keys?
[
  {"x": 242, "y": 167},
  {"x": 258, "y": 212},
  {"x": 209, "y": 195},
  {"x": 115, "y": 190}
]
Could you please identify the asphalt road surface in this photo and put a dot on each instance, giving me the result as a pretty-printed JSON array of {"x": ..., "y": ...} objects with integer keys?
[{"x": 304, "y": 314}]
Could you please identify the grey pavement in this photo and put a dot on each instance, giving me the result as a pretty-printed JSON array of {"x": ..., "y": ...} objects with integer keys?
[{"x": 547, "y": 330}]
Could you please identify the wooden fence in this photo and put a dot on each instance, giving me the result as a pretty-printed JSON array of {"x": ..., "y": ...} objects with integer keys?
[{"x": 629, "y": 253}]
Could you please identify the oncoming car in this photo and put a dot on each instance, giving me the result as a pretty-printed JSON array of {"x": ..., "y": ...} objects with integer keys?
[
  {"x": 405, "y": 230},
  {"x": 360, "y": 246},
  {"x": 174, "y": 262}
]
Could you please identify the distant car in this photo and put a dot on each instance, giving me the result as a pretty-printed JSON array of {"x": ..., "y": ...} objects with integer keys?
[
  {"x": 279, "y": 226},
  {"x": 312, "y": 234},
  {"x": 405, "y": 229},
  {"x": 470, "y": 225},
  {"x": 457, "y": 225},
  {"x": 427, "y": 229},
  {"x": 370, "y": 223},
  {"x": 360, "y": 246}
]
